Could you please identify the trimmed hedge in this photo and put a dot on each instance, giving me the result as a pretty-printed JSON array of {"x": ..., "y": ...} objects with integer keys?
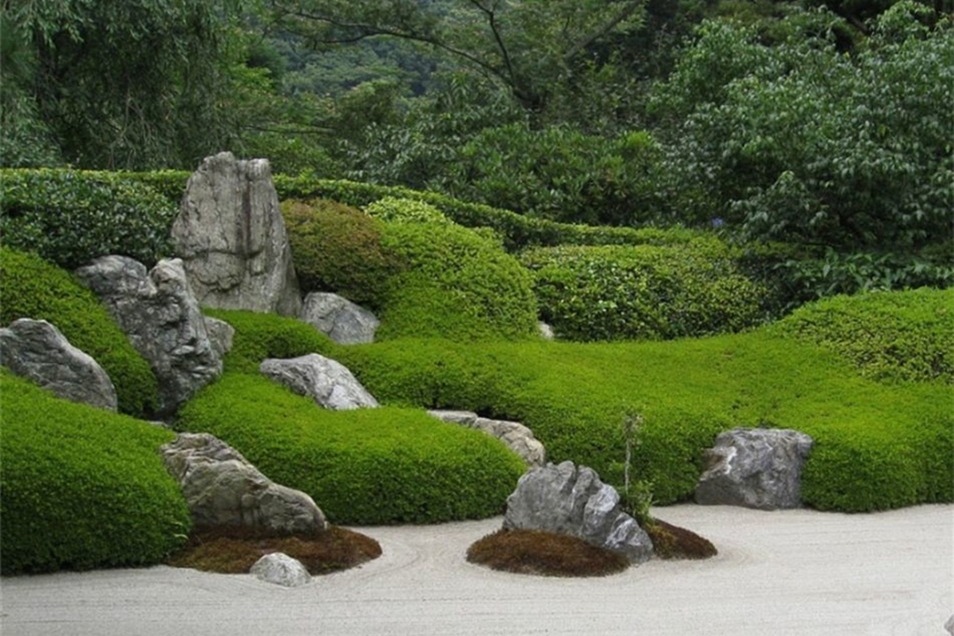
[
  {"x": 32, "y": 288},
  {"x": 877, "y": 446},
  {"x": 895, "y": 336},
  {"x": 70, "y": 217},
  {"x": 456, "y": 284},
  {"x": 395, "y": 210},
  {"x": 620, "y": 292},
  {"x": 339, "y": 249},
  {"x": 82, "y": 487}
]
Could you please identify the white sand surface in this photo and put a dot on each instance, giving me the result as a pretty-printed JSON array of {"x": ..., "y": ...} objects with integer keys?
[{"x": 792, "y": 572}]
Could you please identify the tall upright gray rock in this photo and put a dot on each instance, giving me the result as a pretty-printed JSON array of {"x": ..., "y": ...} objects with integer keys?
[
  {"x": 231, "y": 237},
  {"x": 161, "y": 317},
  {"x": 755, "y": 468},
  {"x": 37, "y": 350},
  {"x": 572, "y": 500}
]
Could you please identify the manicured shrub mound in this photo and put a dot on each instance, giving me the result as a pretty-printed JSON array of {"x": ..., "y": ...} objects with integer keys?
[
  {"x": 337, "y": 248},
  {"x": 877, "y": 446},
  {"x": 395, "y": 210},
  {"x": 456, "y": 284},
  {"x": 71, "y": 217},
  {"x": 82, "y": 487},
  {"x": 652, "y": 292},
  {"x": 544, "y": 553},
  {"x": 367, "y": 466},
  {"x": 33, "y": 288},
  {"x": 905, "y": 335}
]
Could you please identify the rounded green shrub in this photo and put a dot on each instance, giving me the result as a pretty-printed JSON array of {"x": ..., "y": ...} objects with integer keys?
[
  {"x": 396, "y": 210},
  {"x": 337, "y": 248},
  {"x": 366, "y": 466},
  {"x": 72, "y": 217},
  {"x": 82, "y": 487},
  {"x": 456, "y": 284},
  {"x": 888, "y": 335},
  {"x": 32, "y": 288},
  {"x": 643, "y": 291}
]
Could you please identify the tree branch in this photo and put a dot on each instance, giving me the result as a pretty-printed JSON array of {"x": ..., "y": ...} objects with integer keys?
[{"x": 627, "y": 12}]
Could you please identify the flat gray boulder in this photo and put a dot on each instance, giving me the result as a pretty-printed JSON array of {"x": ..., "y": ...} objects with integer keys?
[
  {"x": 161, "y": 317},
  {"x": 38, "y": 351},
  {"x": 329, "y": 383},
  {"x": 223, "y": 489},
  {"x": 281, "y": 569},
  {"x": 572, "y": 500},
  {"x": 755, "y": 468},
  {"x": 514, "y": 435},
  {"x": 231, "y": 236},
  {"x": 339, "y": 318}
]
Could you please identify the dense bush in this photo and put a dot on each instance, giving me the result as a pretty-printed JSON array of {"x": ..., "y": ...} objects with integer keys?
[
  {"x": 338, "y": 248},
  {"x": 617, "y": 292},
  {"x": 887, "y": 335},
  {"x": 33, "y": 288},
  {"x": 877, "y": 445},
  {"x": 393, "y": 209},
  {"x": 82, "y": 487},
  {"x": 456, "y": 284},
  {"x": 72, "y": 217}
]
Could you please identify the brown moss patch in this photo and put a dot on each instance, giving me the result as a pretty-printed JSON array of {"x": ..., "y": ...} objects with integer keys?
[
  {"x": 229, "y": 551},
  {"x": 673, "y": 542},
  {"x": 544, "y": 553}
]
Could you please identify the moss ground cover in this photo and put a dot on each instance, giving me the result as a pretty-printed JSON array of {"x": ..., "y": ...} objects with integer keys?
[{"x": 82, "y": 487}]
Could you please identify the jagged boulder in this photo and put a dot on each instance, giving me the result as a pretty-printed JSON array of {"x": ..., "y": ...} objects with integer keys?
[
  {"x": 339, "y": 318},
  {"x": 329, "y": 383},
  {"x": 755, "y": 468},
  {"x": 572, "y": 500},
  {"x": 231, "y": 236},
  {"x": 281, "y": 569},
  {"x": 221, "y": 335},
  {"x": 161, "y": 317},
  {"x": 36, "y": 350},
  {"x": 514, "y": 435},
  {"x": 223, "y": 489}
]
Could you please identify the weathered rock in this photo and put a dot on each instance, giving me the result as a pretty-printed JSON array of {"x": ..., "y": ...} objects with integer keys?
[
  {"x": 755, "y": 468},
  {"x": 231, "y": 237},
  {"x": 223, "y": 489},
  {"x": 546, "y": 331},
  {"x": 221, "y": 335},
  {"x": 343, "y": 321},
  {"x": 569, "y": 500},
  {"x": 327, "y": 382},
  {"x": 949, "y": 625},
  {"x": 281, "y": 569},
  {"x": 36, "y": 350},
  {"x": 162, "y": 320},
  {"x": 514, "y": 435}
]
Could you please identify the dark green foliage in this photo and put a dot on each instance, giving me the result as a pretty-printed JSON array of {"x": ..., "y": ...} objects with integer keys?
[
  {"x": 457, "y": 284},
  {"x": 259, "y": 336},
  {"x": 887, "y": 335},
  {"x": 619, "y": 292},
  {"x": 33, "y": 288},
  {"x": 71, "y": 217},
  {"x": 338, "y": 248},
  {"x": 367, "y": 466},
  {"x": 575, "y": 397},
  {"x": 82, "y": 487}
]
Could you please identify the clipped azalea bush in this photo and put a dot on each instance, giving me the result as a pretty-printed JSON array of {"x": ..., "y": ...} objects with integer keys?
[
  {"x": 888, "y": 335},
  {"x": 33, "y": 288},
  {"x": 397, "y": 210},
  {"x": 651, "y": 292},
  {"x": 71, "y": 217},
  {"x": 82, "y": 487},
  {"x": 338, "y": 248}
]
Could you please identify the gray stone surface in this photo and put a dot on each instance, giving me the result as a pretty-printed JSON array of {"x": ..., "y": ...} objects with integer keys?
[
  {"x": 329, "y": 383},
  {"x": 36, "y": 350},
  {"x": 339, "y": 318},
  {"x": 221, "y": 335},
  {"x": 546, "y": 331},
  {"x": 231, "y": 237},
  {"x": 281, "y": 569},
  {"x": 756, "y": 468},
  {"x": 160, "y": 316},
  {"x": 514, "y": 435},
  {"x": 223, "y": 489},
  {"x": 572, "y": 500},
  {"x": 949, "y": 625}
]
